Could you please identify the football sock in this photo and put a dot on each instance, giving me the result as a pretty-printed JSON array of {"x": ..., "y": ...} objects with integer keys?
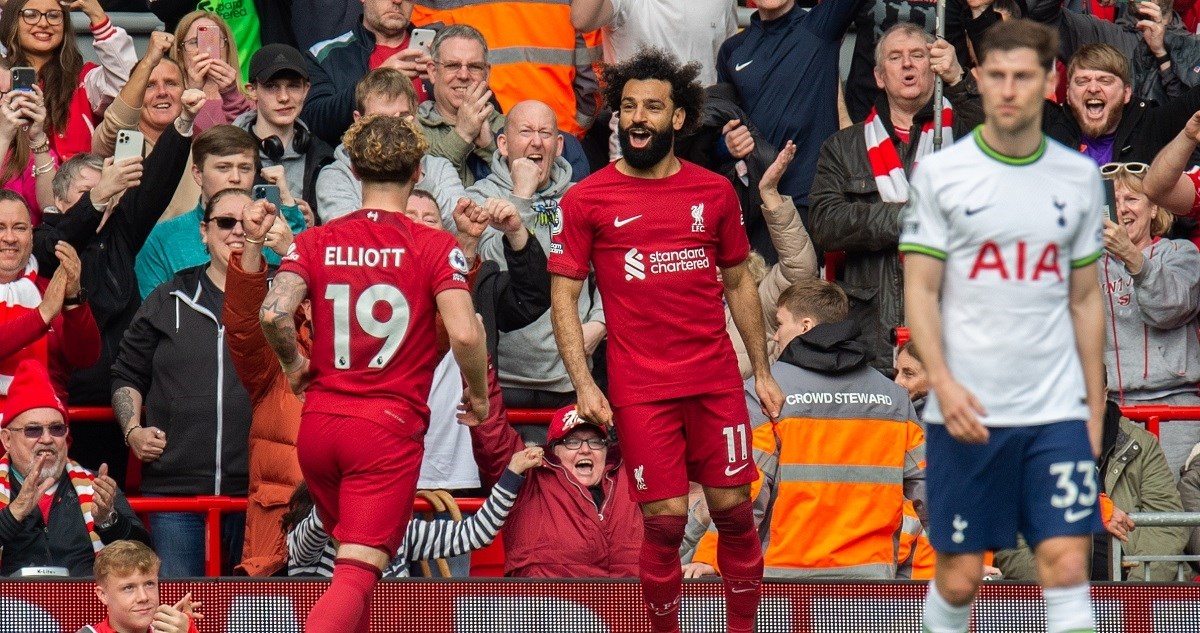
[
  {"x": 662, "y": 575},
  {"x": 739, "y": 554},
  {"x": 346, "y": 600},
  {"x": 1069, "y": 609},
  {"x": 943, "y": 617}
]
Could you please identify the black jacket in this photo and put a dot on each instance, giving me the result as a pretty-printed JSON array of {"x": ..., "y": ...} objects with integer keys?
[
  {"x": 107, "y": 257},
  {"x": 64, "y": 541},
  {"x": 334, "y": 69},
  {"x": 706, "y": 148},
  {"x": 510, "y": 300},
  {"x": 175, "y": 354},
  {"x": 1142, "y": 132},
  {"x": 848, "y": 215}
]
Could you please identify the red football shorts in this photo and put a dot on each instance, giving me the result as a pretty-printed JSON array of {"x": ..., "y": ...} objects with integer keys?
[
  {"x": 362, "y": 477},
  {"x": 704, "y": 438}
]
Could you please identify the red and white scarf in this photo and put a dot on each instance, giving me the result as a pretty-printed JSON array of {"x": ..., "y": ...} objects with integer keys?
[
  {"x": 16, "y": 298},
  {"x": 81, "y": 479},
  {"x": 885, "y": 160}
]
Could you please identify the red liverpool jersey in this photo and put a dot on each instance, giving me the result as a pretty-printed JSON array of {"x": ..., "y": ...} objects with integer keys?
[
  {"x": 656, "y": 246},
  {"x": 372, "y": 277}
]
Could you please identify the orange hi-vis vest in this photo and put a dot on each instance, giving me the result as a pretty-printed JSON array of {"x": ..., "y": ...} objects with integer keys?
[
  {"x": 839, "y": 465},
  {"x": 915, "y": 554},
  {"x": 534, "y": 53}
]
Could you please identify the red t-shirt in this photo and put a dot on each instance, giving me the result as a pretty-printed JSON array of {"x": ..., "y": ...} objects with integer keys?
[
  {"x": 372, "y": 277},
  {"x": 656, "y": 246},
  {"x": 381, "y": 53}
]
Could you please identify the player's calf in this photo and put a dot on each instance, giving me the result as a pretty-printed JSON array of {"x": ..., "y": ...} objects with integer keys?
[
  {"x": 661, "y": 575},
  {"x": 739, "y": 553}
]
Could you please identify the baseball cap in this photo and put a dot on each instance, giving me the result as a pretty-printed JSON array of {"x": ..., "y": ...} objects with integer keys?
[
  {"x": 565, "y": 420},
  {"x": 273, "y": 59}
]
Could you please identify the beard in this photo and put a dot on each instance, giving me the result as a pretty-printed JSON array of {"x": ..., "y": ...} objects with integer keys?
[
  {"x": 659, "y": 147},
  {"x": 1097, "y": 130}
]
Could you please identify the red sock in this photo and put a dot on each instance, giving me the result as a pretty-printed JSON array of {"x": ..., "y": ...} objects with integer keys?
[
  {"x": 739, "y": 553},
  {"x": 662, "y": 576},
  {"x": 348, "y": 598}
]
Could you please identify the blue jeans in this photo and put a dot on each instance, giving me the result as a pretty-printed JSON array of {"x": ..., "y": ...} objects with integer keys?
[{"x": 179, "y": 542}]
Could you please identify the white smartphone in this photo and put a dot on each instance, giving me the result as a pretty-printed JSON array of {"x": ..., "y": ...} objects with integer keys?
[
  {"x": 129, "y": 144},
  {"x": 421, "y": 38}
]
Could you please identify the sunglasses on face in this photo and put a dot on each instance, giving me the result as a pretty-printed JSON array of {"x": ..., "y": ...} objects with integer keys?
[
  {"x": 225, "y": 223},
  {"x": 1108, "y": 170},
  {"x": 34, "y": 431}
]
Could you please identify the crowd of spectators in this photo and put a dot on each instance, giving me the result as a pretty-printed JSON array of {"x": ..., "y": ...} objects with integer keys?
[{"x": 135, "y": 282}]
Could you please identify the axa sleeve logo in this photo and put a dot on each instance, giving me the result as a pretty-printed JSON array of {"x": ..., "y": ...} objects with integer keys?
[{"x": 634, "y": 266}]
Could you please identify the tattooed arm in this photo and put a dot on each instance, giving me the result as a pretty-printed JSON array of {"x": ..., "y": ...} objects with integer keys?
[{"x": 278, "y": 320}]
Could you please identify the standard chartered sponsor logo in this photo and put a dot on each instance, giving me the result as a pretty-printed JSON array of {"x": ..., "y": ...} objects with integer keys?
[
  {"x": 633, "y": 265},
  {"x": 663, "y": 262}
]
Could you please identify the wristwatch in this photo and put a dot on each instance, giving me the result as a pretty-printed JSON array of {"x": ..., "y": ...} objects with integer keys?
[{"x": 77, "y": 300}]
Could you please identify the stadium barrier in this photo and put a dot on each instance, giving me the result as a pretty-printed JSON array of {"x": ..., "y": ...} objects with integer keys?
[
  {"x": 1157, "y": 519},
  {"x": 595, "y": 606}
]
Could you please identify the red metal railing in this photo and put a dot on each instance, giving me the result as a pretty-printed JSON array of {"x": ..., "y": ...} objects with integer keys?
[{"x": 1154, "y": 414}]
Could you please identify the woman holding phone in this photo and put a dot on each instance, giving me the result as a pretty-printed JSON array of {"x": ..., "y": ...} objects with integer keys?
[
  {"x": 29, "y": 164},
  {"x": 37, "y": 34},
  {"x": 204, "y": 49},
  {"x": 1152, "y": 300}
]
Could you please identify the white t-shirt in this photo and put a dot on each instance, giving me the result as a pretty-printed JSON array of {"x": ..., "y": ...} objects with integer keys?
[
  {"x": 448, "y": 463},
  {"x": 1010, "y": 231},
  {"x": 690, "y": 29}
]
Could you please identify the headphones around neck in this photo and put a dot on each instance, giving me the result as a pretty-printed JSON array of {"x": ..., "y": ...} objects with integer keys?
[{"x": 273, "y": 148}]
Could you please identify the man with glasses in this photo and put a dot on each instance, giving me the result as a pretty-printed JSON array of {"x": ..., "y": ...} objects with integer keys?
[
  {"x": 223, "y": 157},
  {"x": 573, "y": 519},
  {"x": 461, "y": 122},
  {"x": 53, "y": 512},
  {"x": 278, "y": 85}
]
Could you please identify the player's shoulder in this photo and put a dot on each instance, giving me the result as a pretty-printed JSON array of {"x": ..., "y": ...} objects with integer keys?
[
  {"x": 701, "y": 176},
  {"x": 1064, "y": 157},
  {"x": 596, "y": 181}
]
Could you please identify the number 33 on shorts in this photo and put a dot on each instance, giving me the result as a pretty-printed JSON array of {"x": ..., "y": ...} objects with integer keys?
[{"x": 1076, "y": 500}]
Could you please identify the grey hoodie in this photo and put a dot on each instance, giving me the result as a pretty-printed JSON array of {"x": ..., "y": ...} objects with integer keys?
[
  {"x": 528, "y": 358},
  {"x": 1154, "y": 317},
  {"x": 339, "y": 192}
]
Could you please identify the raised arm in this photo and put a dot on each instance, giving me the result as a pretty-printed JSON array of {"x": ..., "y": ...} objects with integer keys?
[
  {"x": 1165, "y": 183},
  {"x": 589, "y": 15},
  {"x": 278, "y": 321}
]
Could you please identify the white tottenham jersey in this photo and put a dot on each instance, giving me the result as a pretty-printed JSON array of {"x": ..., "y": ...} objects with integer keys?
[{"x": 1009, "y": 231}]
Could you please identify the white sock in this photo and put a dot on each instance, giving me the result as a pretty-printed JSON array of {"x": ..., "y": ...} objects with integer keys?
[
  {"x": 1069, "y": 609},
  {"x": 943, "y": 617}
]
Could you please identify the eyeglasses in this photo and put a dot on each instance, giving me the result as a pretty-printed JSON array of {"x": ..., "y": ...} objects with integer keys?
[
  {"x": 225, "y": 223},
  {"x": 575, "y": 443},
  {"x": 1109, "y": 170},
  {"x": 34, "y": 431},
  {"x": 53, "y": 17},
  {"x": 193, "y": 44},
  {"x": 454, "y": 67}
]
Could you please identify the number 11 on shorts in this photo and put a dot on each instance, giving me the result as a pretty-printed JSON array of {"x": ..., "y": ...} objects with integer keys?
[{"x": 740, "y": 431}]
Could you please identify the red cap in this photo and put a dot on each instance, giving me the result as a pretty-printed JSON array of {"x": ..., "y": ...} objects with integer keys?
[
  {"x": 566, "y": 420},
  {"x": 30, "y": 389}
]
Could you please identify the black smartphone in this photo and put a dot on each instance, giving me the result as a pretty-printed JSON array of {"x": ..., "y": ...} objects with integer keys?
[
  {"x": 1110, "y": 199},
  {"x": 24, "y": 78}
]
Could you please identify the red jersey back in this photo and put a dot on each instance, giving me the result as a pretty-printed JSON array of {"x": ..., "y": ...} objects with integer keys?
[
  {"x": 372, "y": 277},
  {"x": 656, "y": 246}
]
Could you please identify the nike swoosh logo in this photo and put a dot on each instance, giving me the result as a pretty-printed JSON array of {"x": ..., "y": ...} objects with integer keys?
[
  {"x": 729, "y": 472},
  {"x": 618, "y": 222},
  {"x": 971, "y": 212},
  {"x": 742, "y": 590},
  {"x": 743, "y": 65},
  {"x": 1072, "y": 516}
]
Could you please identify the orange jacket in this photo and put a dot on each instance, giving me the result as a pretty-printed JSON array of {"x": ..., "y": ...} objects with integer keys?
[
  {"x": 839, "y": 474},
  {"x": 534, "y": 53},
  {"x": 274, "y": 469},
  {"x": 915, "y": 554}
]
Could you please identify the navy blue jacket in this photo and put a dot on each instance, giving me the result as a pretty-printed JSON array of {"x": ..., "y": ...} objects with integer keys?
[{"x": 786, "y": 74}]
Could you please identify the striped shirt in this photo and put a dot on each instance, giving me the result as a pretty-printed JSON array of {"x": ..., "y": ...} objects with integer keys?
[{"x": 311, "y": 552}]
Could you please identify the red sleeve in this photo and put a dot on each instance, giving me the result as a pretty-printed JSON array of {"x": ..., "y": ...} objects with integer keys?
[
  {"x": 253, "y": 359},
  {"x": 494, "y": 441},
  {"x": 733, "y": 247},
  {"x": 448, "y": 268},
  {"x": 80, "y": 337},
  {"x": 571, "y": 243},
  {"x": 21, "y": 331},
  {"x": 299, "y": 257},
  {"x": 1195, "y": 177}
]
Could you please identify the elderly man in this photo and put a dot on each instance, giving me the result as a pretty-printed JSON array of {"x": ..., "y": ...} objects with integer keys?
[
  {"x": 336, "y": 64},
  {"x": 553, "y": 530},
  {"x": 127, "y": 583},
  {"x": 529, "y": 171},
  {"x": 53, "y": 512},
  {"x": 856, "y": 200}
]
